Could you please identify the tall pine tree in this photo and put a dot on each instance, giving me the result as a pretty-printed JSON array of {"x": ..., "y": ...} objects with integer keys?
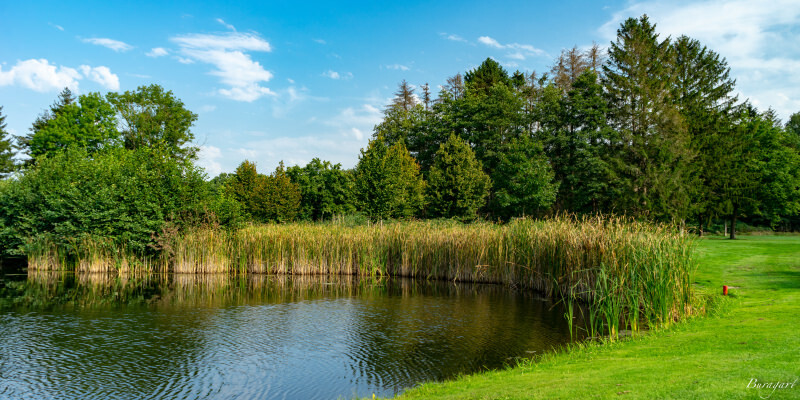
[
  {"x": 652, "y": 152},
  {"x": 6, "y": 150}
]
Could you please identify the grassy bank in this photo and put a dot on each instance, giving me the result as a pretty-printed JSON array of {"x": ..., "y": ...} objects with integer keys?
[
  {"x": 631, "y": 274},
  {"x": 753, "y": 336}
]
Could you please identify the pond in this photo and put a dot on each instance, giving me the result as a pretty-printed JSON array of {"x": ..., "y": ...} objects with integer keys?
[{"x": 256, "y": 336}]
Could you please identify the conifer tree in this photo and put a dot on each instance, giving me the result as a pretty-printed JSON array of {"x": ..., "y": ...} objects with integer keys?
[
  {"x": 652, "y": 150},
  {"x": 457, "y": 185},
  {"x": 6, "y": 149},
  {"x": 388, "y": 183}
]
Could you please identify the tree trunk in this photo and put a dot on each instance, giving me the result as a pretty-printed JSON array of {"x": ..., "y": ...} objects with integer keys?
[
  {"x": 700, "y": 225},
  {"x": 733, "y": 222}
]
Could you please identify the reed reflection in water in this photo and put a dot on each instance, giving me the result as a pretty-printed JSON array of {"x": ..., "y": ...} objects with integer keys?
[{"x": 256, "y": 336}]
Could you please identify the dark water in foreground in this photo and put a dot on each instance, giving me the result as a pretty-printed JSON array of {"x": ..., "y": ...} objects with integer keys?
[{"x": 66, "y": 336}]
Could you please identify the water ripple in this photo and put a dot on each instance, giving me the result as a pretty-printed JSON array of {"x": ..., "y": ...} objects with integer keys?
[{"x": 329, "y": 341}]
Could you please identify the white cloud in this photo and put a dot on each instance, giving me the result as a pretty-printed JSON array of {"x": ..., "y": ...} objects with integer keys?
[
  {"x": 320, "y": 41},
  {"x": 157, "y": 52},
  {"x": 335, "y": 75},
  {"x": 40, "y": 75},
  {"x": 101, "y": 75},
  {"x": 208, "y": 108},
  {"x": 112, "y": 44},
  {"x": 399, "y": 67},
  {"x": 364, "y": 118},
  {"x": 227, "y": 41},
  {"x": 184, "y": 60},
  {"x": 249, "y": 93},
  {"x": 490, "y": 42},
  {"x": 234, "y": 67},
  {"x": 208, "y": 158},
  {"x": 517, "y": 51},
  {"x": 759, "y": 39},
  {"x": 59, "y": 27},
  {"x": 452, "y": 37},
  {"x": 247, "y": 153},
  {"x": 229, "y": 26}
]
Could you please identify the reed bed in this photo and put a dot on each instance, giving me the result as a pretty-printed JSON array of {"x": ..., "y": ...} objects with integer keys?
[
  {"x": 87, "y": 254},
  {"x": 617, "y": 273}
]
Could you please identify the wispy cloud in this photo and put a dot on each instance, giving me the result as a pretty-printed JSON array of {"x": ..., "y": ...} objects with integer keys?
[
  {"x": 453, "y": 37},
  {"x": 320, "y": 41},
  {"x": 517, "y": 51},
  {"x": 490, "y": 42},
  {"x": 41, "y": 76},
  {"x": 112, "y": 44},
  {"x": 759, "y": 40},
  {"x": 157, "y": 52},
  {"x": 223, "y": 23},
  {"x": 335, "y": 75},
  {"x": 59, "y": 27},
  {"x": 234, "y": 67},
  {"x": 398, "y": 67},
  {"x": 290, "y": 98},
  {"x": 363, "y": 118}
]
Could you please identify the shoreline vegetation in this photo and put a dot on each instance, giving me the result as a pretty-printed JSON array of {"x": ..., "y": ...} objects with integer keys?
[
  {"x": 629, "y": 275},
  {"x": 743, "y": 337}
]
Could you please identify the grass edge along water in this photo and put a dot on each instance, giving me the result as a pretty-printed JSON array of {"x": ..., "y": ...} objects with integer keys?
[{"x": 625, "y": 274}]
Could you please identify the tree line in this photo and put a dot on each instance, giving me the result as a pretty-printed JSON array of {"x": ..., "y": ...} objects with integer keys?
[{"x": 652, "y": 129}]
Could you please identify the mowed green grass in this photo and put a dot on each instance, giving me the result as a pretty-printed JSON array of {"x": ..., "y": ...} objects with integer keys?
[{"x": 755, "y": 334}]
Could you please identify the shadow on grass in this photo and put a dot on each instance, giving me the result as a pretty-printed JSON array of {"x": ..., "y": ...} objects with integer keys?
[{"x": 778, "y": 280}]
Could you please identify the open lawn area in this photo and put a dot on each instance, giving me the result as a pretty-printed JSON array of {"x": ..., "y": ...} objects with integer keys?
[{"x": 753, "y": 337}]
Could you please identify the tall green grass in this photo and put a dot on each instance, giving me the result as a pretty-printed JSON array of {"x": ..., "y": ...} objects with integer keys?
[{"x": 625, "y": 275}]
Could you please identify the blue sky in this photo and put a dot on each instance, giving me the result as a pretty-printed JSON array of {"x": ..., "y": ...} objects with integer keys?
[{"x": 276, "y": 81}]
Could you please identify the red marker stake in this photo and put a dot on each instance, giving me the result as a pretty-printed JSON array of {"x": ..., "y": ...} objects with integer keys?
[{"x": 724, "y": 290}]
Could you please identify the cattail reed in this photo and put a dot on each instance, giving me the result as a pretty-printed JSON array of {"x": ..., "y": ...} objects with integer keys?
[{"x": 625, "y": 274}]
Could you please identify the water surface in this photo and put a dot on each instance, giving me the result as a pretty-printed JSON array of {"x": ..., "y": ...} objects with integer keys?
[{"x": 254, "y": 336}]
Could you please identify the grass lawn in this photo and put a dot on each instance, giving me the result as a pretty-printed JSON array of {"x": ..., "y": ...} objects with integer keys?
[{"x": 755, "y": 335}]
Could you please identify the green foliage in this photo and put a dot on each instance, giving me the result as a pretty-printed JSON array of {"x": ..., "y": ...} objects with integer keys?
[
  {"x": 273, "y": 198},
  {"x": 326, "y": 190},
  {"x": 218, "y": 182},
  {"x": 523, "y": 181},
  {"x": 576, "y": 143},
  {"x": 771, "y": 184},
  {"x": 89, "y": 123},
  {"x": 388, "y": 183},
  {"x": 652, "y": 153},
  {"x": 154, "y": 117},
  {"x": 241, "y": 186},
  {"x": 117, "y": 194},
  {"x": 486, "y": 76},
  {"x": 6, "y": 150},
  {"x": 457, "y": 185},
  {"x": 280, "y": 197},
  {"x": 702, "y": 90},
  {"x": 793, "y": 130}
]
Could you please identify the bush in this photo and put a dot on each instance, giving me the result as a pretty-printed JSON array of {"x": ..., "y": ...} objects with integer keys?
[{"x": 120, "y": 195}]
